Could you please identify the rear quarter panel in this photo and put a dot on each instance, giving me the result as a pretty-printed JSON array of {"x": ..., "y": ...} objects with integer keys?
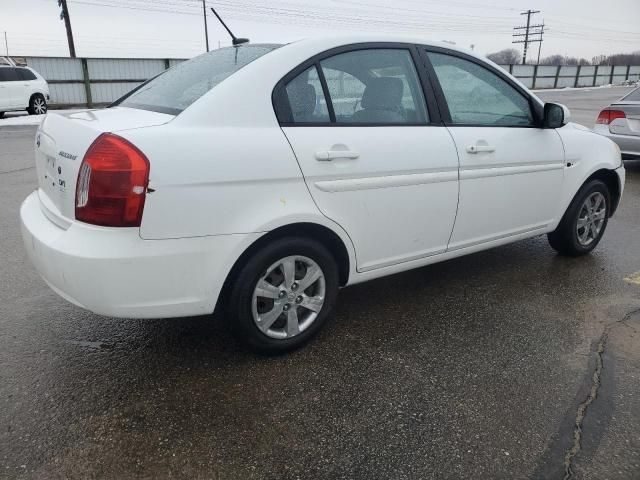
[
  {"x": 32, "y": 87},
  {"x": 220, "y": 180}
]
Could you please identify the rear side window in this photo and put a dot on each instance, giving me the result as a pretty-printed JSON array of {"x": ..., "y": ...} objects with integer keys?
[
  {"x": 375, "y": 86},
  {"x": 26, "y": 74},
  {"x": 9, "y": 74},
  {"x": 346, "y": 91},
  {"x": 477, "y": 96},
  {"x": 306, "y": 99},
  {"x": 633, "y": 96},
  {"x": 177, "y": 88}
]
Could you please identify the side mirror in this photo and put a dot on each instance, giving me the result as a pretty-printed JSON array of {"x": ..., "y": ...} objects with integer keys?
[{"x": 555, "y": 115}]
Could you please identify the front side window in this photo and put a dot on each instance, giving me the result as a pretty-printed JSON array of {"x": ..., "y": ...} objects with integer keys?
[
  {"x": 177, "y": 88},
  {"x": 372, "y": 86},
  {"x": 9, "y": 74},
  {"x": 477, "y": 96}
]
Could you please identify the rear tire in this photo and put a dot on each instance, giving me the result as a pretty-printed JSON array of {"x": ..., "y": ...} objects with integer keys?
[
  {"x": 37, "y": 105},
  {"x": 1, "y": 114},
  {"x": 283, "y": 295},
  {"x": 584, "y": 222}
]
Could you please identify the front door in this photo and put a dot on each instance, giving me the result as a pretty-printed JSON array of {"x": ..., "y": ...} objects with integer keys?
[
  {"x": 511, "y": 171},
  {"x": 375, "y": 158},
  {"x": 9, "y": 88}
]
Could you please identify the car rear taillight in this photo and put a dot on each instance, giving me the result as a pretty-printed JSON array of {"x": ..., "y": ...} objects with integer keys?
[
  {"x": 608, "y": 116},
  {"x": 112, "y": 183}
]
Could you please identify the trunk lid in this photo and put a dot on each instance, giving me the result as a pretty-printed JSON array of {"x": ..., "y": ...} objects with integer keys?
[
  {"x": 629, "y": 125},
  {"x": 62, "y": 141}
]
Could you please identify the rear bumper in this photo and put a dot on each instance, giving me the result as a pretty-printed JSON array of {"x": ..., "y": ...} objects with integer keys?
[
  {"x": 113, "y": 272},
  {"x": 629, "y": 144}
]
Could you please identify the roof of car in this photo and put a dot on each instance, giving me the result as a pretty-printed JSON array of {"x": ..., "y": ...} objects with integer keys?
[
  {"x": 322, "y": 43},
  {"x": 376, "y": 38}
]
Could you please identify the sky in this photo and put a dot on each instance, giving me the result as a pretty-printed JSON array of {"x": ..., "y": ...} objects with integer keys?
[{"x": 174, "y": 28}]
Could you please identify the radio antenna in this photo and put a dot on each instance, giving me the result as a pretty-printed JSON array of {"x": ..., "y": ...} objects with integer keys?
[{"x": 234, "y": 40}]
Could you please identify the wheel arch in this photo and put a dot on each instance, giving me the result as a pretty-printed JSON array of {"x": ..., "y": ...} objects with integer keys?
[
  {"x": 37, "y": 93},
  {"x": 32, "y": 97},
  {"x": 315, "y": 231},
  {"x": 612, "y": 181}
]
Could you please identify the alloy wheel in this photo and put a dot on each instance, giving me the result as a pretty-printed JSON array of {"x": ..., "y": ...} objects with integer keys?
[
  {"x": 39, "y": 106},
  {"x": 288, "y": 297},
  {"x": 591, "y": 218}
]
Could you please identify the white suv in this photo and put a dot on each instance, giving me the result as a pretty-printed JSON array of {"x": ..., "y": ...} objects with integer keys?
[{"x": 22, "y": 88}]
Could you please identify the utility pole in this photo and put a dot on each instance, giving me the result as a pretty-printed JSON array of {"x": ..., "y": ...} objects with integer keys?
[
  {"x": 6, "y": 43},
  {"x": 64, "y": 15},
  {"x": 529, "y": 33},
  {"x": 540, "y": 43},
  {"x": 206, "y": 30}
]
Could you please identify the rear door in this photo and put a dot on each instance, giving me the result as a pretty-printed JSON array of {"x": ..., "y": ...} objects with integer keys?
[
  {"x": 373, "y": 152},
  {"x": 28, "y": 85},
  {"x": 511, "y": 171}
]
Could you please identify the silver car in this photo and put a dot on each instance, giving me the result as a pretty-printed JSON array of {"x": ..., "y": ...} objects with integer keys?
[{"x": 620, "y": 121}]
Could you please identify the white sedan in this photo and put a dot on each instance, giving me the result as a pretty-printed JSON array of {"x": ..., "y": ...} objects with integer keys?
[{"x": 260, "y": 179}]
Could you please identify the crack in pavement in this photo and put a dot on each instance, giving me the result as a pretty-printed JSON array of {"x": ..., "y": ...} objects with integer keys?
[
  {"x": 593, "y": 394},
  {"x": 582, "y": 409}
]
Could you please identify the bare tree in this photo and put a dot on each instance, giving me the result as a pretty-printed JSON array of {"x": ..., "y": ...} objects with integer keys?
[
  {"x": 508, "y": 56},
  {"x": 511, "y": 56},
  {"x": 552, "y": 60},
  {"x": 563, "y": 60},
  {"x": 618, "y": 59}
]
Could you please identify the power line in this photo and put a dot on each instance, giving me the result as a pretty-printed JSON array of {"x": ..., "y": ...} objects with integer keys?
[
  {"x": 418, "y": 16},
  {"x": 257, "y": 11},
  {"x": 313, "y": 19},
  {"x": 260, "y": 11}
]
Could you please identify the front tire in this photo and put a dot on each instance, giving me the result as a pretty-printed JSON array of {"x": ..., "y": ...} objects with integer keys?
[
  {"x": 584, "y": 222},
  {"x": 1, "y": 114},
  {"x": 283, "y": 295},
  {"x": 37, "y": 105}
]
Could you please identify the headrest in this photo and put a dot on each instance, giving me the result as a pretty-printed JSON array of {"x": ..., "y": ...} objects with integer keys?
[
  {"x": 383, "y": 92},
  {"x": 302, "y": 98}
]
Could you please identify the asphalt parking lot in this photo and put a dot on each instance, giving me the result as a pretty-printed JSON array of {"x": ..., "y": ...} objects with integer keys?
[{"x": 479, "y": 367}]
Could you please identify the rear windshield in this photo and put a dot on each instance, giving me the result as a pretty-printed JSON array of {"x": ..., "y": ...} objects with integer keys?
[
  {"x": 633, "y": 96},
  {"x": 177, "y": 88}
]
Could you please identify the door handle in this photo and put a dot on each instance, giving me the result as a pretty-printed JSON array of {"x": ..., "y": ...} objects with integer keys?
[
  {"x": 480, "y": 148},
  {"x": 328, "y": 155}
]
